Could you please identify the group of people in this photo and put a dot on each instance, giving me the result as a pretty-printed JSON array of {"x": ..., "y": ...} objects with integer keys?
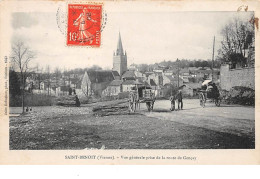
[
  {"x": 177, "y": 97},
  {"x": 210, "y": 88}
]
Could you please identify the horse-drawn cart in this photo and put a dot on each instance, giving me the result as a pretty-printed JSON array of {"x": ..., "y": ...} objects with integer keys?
[
  {"x": 141, "y": 94},
  {"x": 209, "y": 92}
]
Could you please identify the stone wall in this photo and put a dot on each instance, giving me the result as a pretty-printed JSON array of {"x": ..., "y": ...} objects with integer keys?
[{"x": 236, "y": 77}]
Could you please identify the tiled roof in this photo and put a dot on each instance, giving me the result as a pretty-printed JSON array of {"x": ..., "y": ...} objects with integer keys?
[
  {"x": 129, "y": 74},
  {"x": 116, "y": 83},
  {"x": 152, "y": 83},
  {"x": 129, "y": 82},
  {"x": 99, "y": 76},
  {"x": 171, "y": 78}
]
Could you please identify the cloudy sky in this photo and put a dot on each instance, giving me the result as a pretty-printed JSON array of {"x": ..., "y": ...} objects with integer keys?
[{"x": 148, "y": 37}]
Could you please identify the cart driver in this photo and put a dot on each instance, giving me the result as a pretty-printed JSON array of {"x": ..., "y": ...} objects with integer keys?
[{"x": 215, "y": 90}]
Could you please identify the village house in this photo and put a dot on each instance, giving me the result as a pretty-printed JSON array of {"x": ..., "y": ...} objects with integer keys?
[
  {"x": 185, "y": 74},
  {"x": 158, "y": 90},
  {"x": 113, "y": 88},
  {"x": 191, "y": 89},
  {"x": 94, "y": 82},
  {"x": 168, "y": 79},
  {"x": 128, "y": 75},
  {"x": 157, "y": 77},
  {"x": 127, "y": 85}
]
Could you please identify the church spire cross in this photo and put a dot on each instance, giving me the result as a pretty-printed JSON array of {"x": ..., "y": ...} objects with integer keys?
[{"x": 120, "y": 50}]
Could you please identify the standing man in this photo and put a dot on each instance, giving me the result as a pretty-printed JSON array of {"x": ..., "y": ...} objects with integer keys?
[{"x": 179, "y": 97}]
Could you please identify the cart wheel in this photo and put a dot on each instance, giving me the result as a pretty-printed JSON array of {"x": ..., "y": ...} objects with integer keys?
[
  {"x": 148, "y": 105},
  {"x": 217, "y": 102},
  {"x": 131, "y": 107}
]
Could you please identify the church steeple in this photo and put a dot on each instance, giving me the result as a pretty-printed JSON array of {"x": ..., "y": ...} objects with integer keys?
[
  {"x": 120, "y": 58},
  {"x": 119, "y": 50}
]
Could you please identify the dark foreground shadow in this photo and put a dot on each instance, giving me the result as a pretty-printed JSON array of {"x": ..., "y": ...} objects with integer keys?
[{"x": 161, "y": 110}]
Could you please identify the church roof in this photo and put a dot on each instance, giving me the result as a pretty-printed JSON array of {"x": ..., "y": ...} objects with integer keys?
[
  {"x": 100, "y": 76},
  {"x": 115, "y": 73}
]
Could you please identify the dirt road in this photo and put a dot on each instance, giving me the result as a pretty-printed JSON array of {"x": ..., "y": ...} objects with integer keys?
[
  {"x": 53, "y": 127},
  {"x": 232, "y": 119}
]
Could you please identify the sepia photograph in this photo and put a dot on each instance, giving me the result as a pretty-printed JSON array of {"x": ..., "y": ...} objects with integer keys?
[{"x": 103, "y": 76}]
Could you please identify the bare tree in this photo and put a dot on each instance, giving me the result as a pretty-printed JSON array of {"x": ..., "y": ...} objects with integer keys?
[
  {"x": 237, "y": 35},
  {"x": 57, "y": 74},
  {"x": 21, "y": 57}
]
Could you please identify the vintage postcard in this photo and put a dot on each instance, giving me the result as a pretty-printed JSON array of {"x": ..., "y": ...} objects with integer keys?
[{"x": 129, "y": 82}]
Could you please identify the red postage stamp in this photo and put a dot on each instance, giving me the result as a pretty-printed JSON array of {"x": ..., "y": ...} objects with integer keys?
[{"x": 84, "y": 25}]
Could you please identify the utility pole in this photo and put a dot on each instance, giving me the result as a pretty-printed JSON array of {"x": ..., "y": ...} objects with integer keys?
[
  {"x": 213, "y": 58},
  {"x": 178, "y": 69}
]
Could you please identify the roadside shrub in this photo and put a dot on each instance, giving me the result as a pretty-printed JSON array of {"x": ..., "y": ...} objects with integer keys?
[{"x": 239, "y": 95}]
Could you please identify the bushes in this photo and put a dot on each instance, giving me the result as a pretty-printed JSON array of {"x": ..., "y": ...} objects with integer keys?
[
  {"x": 31, "y": 100},
  {"x": 239, "y": 95},
  {"x": 69, "y": 100}
]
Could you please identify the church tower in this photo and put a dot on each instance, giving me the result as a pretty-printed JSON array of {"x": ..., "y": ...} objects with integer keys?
[{"x": 120, "y": 58}]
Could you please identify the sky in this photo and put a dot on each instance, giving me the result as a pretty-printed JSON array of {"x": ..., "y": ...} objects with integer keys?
[{"x": 147, "y": 37}]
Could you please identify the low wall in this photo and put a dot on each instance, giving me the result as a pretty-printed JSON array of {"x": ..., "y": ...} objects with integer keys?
[{"x": 236, "y": 77}]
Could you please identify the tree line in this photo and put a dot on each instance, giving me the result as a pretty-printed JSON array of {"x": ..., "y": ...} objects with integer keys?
[{"x": 183, "y": 63}]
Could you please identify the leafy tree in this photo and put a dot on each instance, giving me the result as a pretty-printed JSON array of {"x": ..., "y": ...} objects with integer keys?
[
  {"x": 95, "y": 67},
  {"x": 143, "y": 68},
  {"x": 204, "y": 64}
]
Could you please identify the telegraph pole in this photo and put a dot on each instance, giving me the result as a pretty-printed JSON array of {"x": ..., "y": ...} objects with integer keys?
[
  {"x": 178, "y": 68},
  {"x": 213, "y": 57}
]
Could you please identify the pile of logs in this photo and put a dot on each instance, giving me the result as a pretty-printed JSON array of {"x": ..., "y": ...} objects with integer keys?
[
  {"x": 110, "y": 110},
  {"x": 66, "y": 100}
]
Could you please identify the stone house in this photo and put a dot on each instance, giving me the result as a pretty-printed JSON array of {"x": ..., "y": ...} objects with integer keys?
[
  {"x": 94, "y": 82},
  {"x": 127, "y": 85},
  {"x": 113, "y": 88}
]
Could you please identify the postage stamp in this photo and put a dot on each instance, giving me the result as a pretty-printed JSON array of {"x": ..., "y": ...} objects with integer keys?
[{"x": 84, "y": 25}]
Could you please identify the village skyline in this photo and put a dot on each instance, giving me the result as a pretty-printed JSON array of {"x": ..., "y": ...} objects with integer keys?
[{"x": 184, "y": 45}]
